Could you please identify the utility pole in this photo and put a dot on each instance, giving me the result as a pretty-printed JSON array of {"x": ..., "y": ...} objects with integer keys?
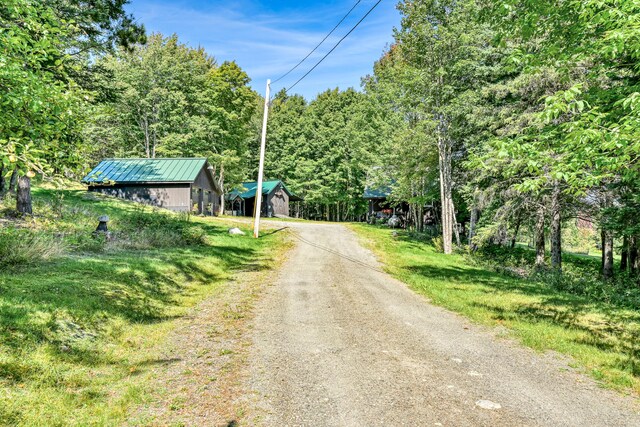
[{"x": 258, "y": 205}]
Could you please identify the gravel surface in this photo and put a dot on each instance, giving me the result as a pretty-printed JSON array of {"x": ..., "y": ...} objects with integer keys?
[
  {"x": 198, "y": 381},
  {"x": 337, "y": 342}
]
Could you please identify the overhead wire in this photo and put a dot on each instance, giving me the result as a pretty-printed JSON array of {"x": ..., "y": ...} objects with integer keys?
[
  {"x": 335, "y": 46},
  {"x": 319, "y": 44}
]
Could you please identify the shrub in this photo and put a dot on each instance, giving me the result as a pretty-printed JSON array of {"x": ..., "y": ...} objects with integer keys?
[
  {"x": 23, "y": 246},
  {"x": 438, "y": 244},
  {"x": 194, "y": 235}
]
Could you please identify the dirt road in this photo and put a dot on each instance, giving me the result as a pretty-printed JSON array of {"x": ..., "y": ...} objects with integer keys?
[{"x": 337, "y": 342}]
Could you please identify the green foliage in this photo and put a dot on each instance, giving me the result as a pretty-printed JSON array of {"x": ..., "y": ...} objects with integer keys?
[
  {"x": 323, "y": 149},
  {"x": 39, "y": 105},
  {"x": 99, "y": 24},
  {"x": 577, "y": 277},
  {"x": 437, "y": 244},
  {"x": 166, "y": 99},
  {"x": 64, "y": 224},
  {"x": 142, "y": 229}
]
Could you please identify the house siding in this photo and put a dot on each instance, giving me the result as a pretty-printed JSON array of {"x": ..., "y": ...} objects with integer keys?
[{"x": 175, "y": 197}]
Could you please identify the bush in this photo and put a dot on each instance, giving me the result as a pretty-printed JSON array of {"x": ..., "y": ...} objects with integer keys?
[
  {"x": 194, "y": 235},
  {"x": 23, "y": 246},
  {"x": 622, "y": 291},
  {"x": 438, "y": 244}
]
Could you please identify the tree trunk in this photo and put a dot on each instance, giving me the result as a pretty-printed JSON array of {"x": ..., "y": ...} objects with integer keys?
[
  {"x": 475, "y": 216},
  {"x": 514, "y": 238},
  {"x": 607, "y": 254},
  {"x": 147, "y": 143},
  {"x": 13, "y": 181},
  {"x": 556, "y": 229},
  {"x": 23, "y": 204},
  {"x": 221, "y": 188},
  {"x": 601, "y": 250},
  {"x": 456, "y": 232},
  {"x": 540, "y": 238},
  {"x": 624, "y": 256},
  {"x": 3, "y": 181},
  {"x": 634, "y": 261},
  {"x": 444, "y": 155}
]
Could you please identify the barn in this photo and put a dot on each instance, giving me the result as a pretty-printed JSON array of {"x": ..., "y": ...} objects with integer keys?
[
  {"x": 275, "y": 199},
  {"x": 178, "y": 184}
]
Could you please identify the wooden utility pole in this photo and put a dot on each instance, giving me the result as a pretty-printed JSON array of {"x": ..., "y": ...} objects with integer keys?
[{"x": 257, "y": 209}]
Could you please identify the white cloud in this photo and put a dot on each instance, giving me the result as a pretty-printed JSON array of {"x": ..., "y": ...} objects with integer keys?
[{"x": 266, "y": 44}]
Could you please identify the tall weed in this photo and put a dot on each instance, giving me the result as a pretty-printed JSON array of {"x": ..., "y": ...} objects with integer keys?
[{"x": 24, "y": 246}]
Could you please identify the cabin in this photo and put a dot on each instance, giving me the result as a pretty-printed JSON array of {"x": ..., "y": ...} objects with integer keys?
[
  {"x": 379, "y": 204},
  {"x": 275, "y": 199},
  {"x": 177, "y": 184}
]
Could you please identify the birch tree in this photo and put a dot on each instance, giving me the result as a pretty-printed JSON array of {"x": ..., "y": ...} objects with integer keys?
[{"x": 439, "y": 51}]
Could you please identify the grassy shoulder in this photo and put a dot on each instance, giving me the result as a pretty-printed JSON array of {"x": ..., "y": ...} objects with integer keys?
[
  {"x": 81, "y": 331},
  {"x": 602, "y": 338}
]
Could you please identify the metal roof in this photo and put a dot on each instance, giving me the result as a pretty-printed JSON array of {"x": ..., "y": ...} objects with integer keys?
[
  {"x": 146, "y": 170},
  {"x": 267, "y": 188},
  {"x": 377, "y": 193}
]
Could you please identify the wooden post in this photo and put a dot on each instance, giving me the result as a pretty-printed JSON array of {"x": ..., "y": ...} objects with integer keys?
[{"x": 258, "y": 199}]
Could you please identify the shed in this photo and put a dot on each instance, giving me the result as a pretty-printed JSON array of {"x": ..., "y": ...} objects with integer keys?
[
  {"x": 275, "y": 199},
  {"x": 178, "y": 184}
]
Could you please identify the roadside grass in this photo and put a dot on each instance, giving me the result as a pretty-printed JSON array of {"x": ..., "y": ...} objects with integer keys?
[
  {"x": 602, "y": 338},
  {"x": 81, "y": 332}
]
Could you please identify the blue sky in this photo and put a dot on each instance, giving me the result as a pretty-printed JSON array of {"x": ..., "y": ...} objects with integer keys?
[{"x": 267, "y": 38}]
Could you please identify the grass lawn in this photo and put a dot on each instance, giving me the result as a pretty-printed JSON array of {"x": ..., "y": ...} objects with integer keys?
[
  {"x": 603, "y": 339},
  {"x": 80, "y": 333}
]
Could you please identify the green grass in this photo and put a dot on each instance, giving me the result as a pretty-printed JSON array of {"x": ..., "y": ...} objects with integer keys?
[
  {"x": 79, "y": 334},
  {"x": 602, "y": 338}
]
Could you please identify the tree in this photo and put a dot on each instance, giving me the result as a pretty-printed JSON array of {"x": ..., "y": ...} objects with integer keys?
[
  {"x": 438, "y": 57},
  {"x": 168, "y": 99},
  {"x": 323, "y": 149},
  {"x": 592, "y": 118},
  {"x": 38, "y": 109},
  {"x": 232, "y": 105}
]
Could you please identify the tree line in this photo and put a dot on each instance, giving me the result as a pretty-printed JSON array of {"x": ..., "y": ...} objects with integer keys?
[
  {"x": 81, "y": 81},
  {"x": 526, "y": 112},
  {"x": 515, "y": 117},
  {"x": 70, "y": 100}
]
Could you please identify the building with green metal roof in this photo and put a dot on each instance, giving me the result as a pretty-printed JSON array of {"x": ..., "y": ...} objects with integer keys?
[
  {"x": 275, "y": 199},
  {"x": 378, "y": 198},
  {"x": 178, "y": 184}
]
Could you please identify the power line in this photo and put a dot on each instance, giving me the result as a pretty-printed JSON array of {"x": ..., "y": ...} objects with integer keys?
[
  {"x": 335, "y": 47},
  {"x": 318, "y": 45}
]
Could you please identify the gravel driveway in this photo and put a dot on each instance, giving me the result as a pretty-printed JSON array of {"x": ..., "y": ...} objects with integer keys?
[{"x": 337, "y": 342}]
